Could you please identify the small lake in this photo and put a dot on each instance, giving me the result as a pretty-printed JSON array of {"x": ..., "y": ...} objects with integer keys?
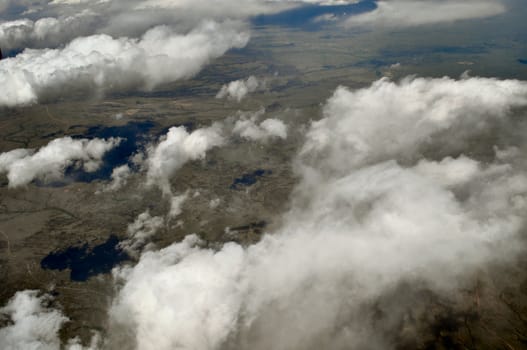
[
  {"x": 305, "y": 16},
  {"x": 249, "y": 179},
  {"x": 86, "y": 262}
]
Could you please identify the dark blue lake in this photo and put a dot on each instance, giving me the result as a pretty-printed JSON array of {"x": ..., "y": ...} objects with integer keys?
[
  {"x": 522, "y": 60},
  {"x": 85, "y": 262},
  {"x": 304, "y": 16},
  {"x": 134, "y": 136},
  {"x": 11, "y": 53},
  {"x": 249, "y": 179}
]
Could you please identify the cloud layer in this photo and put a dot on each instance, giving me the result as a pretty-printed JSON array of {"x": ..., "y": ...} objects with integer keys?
[
  {"x": 101, "y": 62},
  {"x": 374, "y": 208},
  {"x": 55, "y": 23},
  {"x": 370, "y": 212}
]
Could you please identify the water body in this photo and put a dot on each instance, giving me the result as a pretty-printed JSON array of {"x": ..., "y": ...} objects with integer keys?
[
  {"x": 85, "y": 262},
  {"x": 249, "y": 179},
  {"x": 522, "y": 60},
  {"x": 134, "y": 135},
  {"x": 305, "y": 16},
  {"x": 11, "y": 53}
]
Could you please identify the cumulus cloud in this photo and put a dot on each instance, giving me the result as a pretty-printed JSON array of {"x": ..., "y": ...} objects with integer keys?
[
  {"x": 214, "y": 203},
  {"x": 45, "y": 32},
  {"x": 106, "y": 55},
  {"x": 409, "y": 13},
  {"x": 423, "y": 107},
  {"x": 238, "y": 89},
  {"x": 199, "y": 317},
  {"x": 450, "y": 171},
  {"x": 140, "y": 231},
  {"x": 175, "y": 149},
  {"x": 49, "y": 163},
  {"x": 119, "y": 178},
  {"x": 131, "y": 18},
  {"x": 370, "y": 212},
  {"x": 176, "y": 204},
  {"x": 33, "y": 326},
  {"x": 101, "y": 62},
  {"x": 249, "y": 128}
]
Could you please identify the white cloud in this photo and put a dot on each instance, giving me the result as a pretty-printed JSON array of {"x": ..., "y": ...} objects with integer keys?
[
  {"x": 119, "y": 178},
  {"x": 140, "y": 231},
  {"x": 450, "y": 171},
  {"x": 45, "y": 32},
  {"x": 131, "y": 18},
  {"x": 360, "y": 223},
  {"x": 409, "y": 13},
  {"x": 214, "y": 203},
  {"x": 231, "y": 8},
  {"x": 249, "y": 128},
  {"x": 101, "y": 62},
  {"x": 198, "y": 316},
  {"x": 105, "y": 54},
  {"x": 411, "y": 112},
  {"x": 238, "y": 89},
  {"x": 176, "y": 204},
  {"x": 175, "y": 149},
  {"x": 49, "y": 163},
  {"x": 33, "y": 325}
]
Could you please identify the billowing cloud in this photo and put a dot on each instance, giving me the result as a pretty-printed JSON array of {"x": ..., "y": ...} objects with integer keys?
[
  {"x": 59, "y": 21},
  {"x": 408, "y": 13},
  {"x": 140, "y": 231},
  {"x": 135, "y": 16},
  {"x": 249, "y": 128},
  {"x": 371, "y": 211},
  {"x": 119, "y": 178},
  {"x": 101, "y": 62},
  {"x": 106, "y": 55},
  {"x": 45, "y": 32},
  {"x": 33, "y": 325},
  {"x": 175, "y": 149},
  {"x": 364, "y": 218},
  {"x": 176, "y": 205},
  {"x": 238, "y": 89},
  {"x": 49, "y": 163},
  {"x": 421, "y": 107}
]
